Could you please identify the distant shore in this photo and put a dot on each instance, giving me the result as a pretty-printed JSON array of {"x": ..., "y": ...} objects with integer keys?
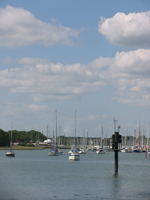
[
  {"x": 29, "y": 148},
  {"x": 22, "y": 148}
]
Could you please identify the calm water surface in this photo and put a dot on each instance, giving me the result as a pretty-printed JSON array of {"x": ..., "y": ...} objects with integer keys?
[{"x": 31, "y": 174}]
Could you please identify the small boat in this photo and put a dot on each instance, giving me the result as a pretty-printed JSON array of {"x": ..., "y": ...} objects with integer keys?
[
  {"x": 74, "y": 155},
  {"x": 70, "y": 152},
  {"x": 100, "y": 151},
  {"x": 136, "y": 151},
  {"x": 82, "y": 151},
  {"x": 10, "y": 153},
  {"x": 60, "y": 152},
  {"x": 126, "y": 150},
  {"x": 53, "y": 152}
]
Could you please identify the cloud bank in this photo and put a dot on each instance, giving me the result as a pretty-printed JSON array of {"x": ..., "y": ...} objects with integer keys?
[
  {"x": 131, "y": 30},
  {"x": 129, "y": 72},
  {"x": 18, "y": 27}
]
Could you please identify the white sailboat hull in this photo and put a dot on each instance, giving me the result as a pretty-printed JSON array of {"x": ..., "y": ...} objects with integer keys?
[
  {"x": 82, "y": 152},
  {"x": 74, "y": 157},
  {"x": 10, "y": 154},
  {"x": 100, "y": 152}
]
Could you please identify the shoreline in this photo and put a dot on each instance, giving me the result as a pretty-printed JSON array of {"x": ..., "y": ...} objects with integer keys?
[
  {"x": 22, "y": 148},
  {"x": 29, "y": 148}
]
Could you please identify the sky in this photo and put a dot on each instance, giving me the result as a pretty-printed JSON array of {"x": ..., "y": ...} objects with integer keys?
[{"x": 88, "y": 56}]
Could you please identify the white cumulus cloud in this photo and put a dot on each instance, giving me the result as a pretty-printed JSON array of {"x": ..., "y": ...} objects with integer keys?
[
  {"x": 18, "y": 27},
  {"x": 130, "y": 72},
  {"x": 42, "y": 80},
  {"x": 131, "y": 30}
]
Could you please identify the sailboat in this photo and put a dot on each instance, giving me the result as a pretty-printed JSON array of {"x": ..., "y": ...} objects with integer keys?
[
  {"x": 10, "y": 153},
  {"x": 82, "y": 149},
  {"x": 74, "y": 155},
  {"x": 54, "y": 151},
  {"x": 101, "y": 150}
]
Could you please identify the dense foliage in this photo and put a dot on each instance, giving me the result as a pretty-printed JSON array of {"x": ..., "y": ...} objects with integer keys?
[
  {"x": 21, "y": 136},
  {"x": 4, "y": 138}
]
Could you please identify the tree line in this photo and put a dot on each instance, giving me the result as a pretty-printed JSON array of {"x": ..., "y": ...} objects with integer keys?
[{"x": 21, "y": 136}]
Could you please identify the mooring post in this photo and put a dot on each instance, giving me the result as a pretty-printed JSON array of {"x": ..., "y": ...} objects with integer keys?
[
  {"x": 116, "y": 138},
  {"x": 116, "y": 152}
]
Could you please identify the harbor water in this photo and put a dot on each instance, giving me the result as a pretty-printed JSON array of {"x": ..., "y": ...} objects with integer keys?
[{"x": 33, "y": 175}]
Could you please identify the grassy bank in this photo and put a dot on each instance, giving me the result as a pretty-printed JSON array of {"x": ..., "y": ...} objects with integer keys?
[
  {"x": 31, "y": 148},
  {"x": 22, "y": 148}
]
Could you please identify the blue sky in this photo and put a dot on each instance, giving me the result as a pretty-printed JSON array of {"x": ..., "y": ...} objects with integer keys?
[{"x": 89, "y": 56}]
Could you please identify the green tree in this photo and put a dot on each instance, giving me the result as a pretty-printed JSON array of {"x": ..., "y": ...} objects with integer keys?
[{"x": 4, "y": 138}]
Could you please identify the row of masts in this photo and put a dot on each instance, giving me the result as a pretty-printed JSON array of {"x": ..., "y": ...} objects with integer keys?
[{"x": 139, "y": 142}]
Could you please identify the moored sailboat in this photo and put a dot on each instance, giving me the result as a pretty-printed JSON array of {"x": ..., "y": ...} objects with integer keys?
[
  {"x": 54, "y": 151},
  {"x": 74, "y": 155},
  {"x": 10, "y": 153},
  {"x": 101, "y": 150}
]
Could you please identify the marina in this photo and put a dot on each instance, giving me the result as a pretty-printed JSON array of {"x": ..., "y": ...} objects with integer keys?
[
  {"x": 91, "y": 57},
  {"x": 31, "y": 174}
]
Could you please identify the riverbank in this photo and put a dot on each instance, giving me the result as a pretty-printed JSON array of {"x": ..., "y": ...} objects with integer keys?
[
  {"x": 22, "y": 148},
  {"x": 30, "y": 148}
]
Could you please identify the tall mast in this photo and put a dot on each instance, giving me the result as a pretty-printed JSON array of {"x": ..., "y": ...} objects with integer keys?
[
  {"x": 56, "y": 128},
  {"x": 139, "y": 134},
  {"x": 75, "y": 132},
  {"x": 102, "y": 138},
  {"x": 87, "y": 136},
  {"x": 143, "y": 135},
  {"x": 47, "y": 131},
  {"x": 59, "y": 134},
  {"x": 11, "y": 134},
  {"x": 148, "y": 136},
  {"x": 114, "y": 125}
]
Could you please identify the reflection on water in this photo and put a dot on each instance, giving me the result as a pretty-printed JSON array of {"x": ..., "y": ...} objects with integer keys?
[{"x": 34, "y": 175}]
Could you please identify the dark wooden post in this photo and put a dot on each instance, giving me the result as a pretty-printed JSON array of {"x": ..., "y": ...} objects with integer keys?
[{"x": 116, "y": 151}]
